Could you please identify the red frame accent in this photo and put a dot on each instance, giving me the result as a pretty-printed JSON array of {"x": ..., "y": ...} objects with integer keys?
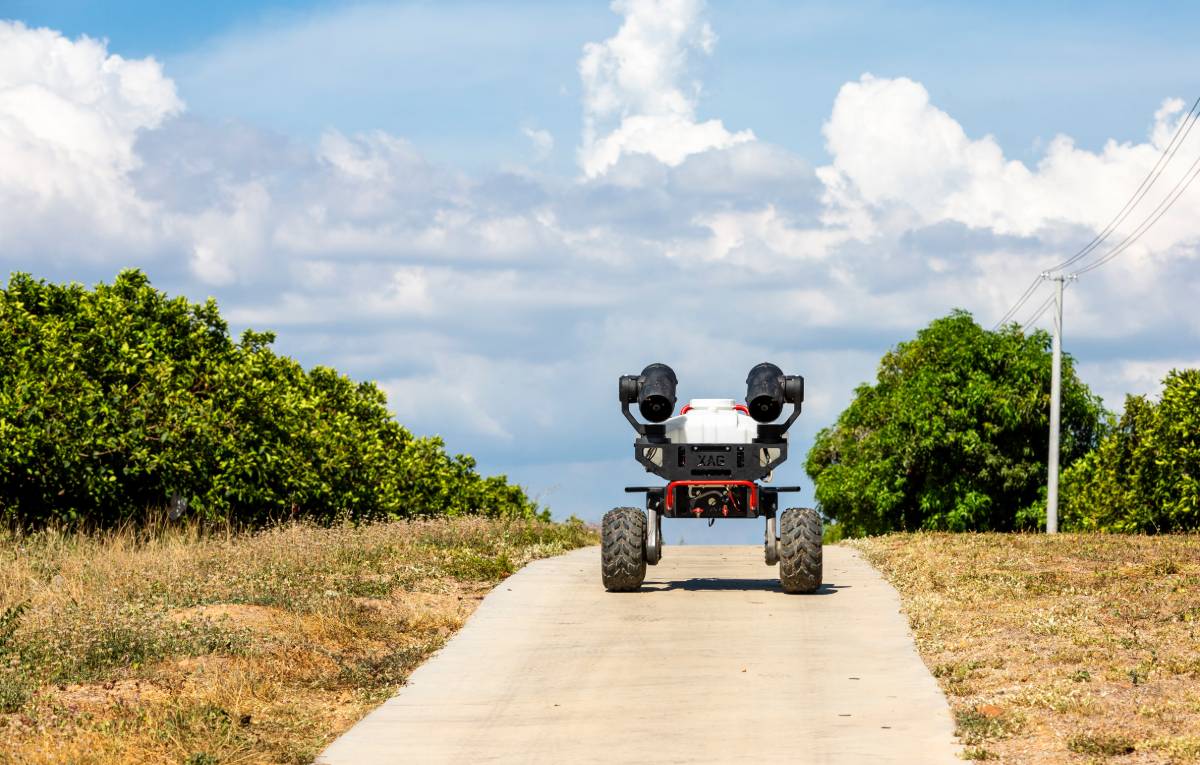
[
  {"x": 751, "y": 485},
  {"x": 736, "y": 407}
]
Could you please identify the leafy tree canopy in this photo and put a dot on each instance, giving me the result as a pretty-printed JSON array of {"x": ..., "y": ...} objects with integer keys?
[
  {"x": 1145, "y": 475},
  {"x": 952, "y": 435},
  {"x": 115, "y": 400}
]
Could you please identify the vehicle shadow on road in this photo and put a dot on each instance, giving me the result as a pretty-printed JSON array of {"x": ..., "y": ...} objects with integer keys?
[{"x": 707, "y": 584}]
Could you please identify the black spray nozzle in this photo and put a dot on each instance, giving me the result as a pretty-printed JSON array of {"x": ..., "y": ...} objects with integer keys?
[
  {"x": 768, "y": 388},
  {"x": 656, "y": 396},
  {"x": 653, "y": 391}
]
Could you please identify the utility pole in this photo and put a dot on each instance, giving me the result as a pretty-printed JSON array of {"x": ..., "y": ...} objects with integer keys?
[{"x": 1055, "y": 404}]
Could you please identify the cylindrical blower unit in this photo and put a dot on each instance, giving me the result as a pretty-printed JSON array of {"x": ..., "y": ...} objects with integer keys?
[
  {"x": 653, "y": 391},
  {"x": 768, "y": 388}
]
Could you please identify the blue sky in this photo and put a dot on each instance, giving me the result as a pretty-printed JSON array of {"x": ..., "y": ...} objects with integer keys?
[
  {"x": 456, "y": 77},
  {"x": 494, "y": 209}
]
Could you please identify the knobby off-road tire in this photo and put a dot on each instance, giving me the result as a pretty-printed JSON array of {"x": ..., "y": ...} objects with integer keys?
[
  {"x": 623, "y": 549},
  {"x": 800, "y": 550}
]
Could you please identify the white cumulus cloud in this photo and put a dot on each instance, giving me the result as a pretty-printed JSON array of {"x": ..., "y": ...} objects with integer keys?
[
  {"x": 69, "y": 116},
  {"x": 637, "y": 99},
  {"x": 899, "y": 159},
  {"x": 901, "y": 165}
]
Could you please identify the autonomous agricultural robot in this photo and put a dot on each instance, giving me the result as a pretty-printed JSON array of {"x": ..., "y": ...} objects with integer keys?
[{"x": 715, "y": 455}]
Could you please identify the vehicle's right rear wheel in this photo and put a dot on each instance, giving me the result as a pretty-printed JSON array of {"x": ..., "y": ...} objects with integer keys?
[
  {"x": 623, "y": 549},
  {"x": 800, "y": 550}
]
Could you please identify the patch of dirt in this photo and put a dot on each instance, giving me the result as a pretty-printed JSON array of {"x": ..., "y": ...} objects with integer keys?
[
  {"x": 187, "y": 666},
  {"x": 98, "y": 696},
  {"x": 419, "y": 607},
  {"x": 237, "y": 615},
  {"x": 371, "y": 604}
]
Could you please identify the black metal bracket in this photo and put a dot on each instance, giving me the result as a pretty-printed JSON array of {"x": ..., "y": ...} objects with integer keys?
[
  {"x": 771, "y": 433},
  {"x": 639, "y": 427}
]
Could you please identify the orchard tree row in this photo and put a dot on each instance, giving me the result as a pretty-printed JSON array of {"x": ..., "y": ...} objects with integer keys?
[
  {"x": 118, "y": 401},
  {"x": 952, "y": 435}
]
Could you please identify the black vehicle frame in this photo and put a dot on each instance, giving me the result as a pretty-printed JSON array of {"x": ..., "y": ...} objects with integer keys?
[{"x": 709, "y": 480}]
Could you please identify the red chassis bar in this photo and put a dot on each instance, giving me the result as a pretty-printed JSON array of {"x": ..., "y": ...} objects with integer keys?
[
  {"x": 753, "y": 487},
  {"x": 736, "y": 407}
]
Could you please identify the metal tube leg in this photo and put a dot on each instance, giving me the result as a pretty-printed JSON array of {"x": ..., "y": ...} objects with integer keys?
[
  {"x": 658, "y": 527},
  {"x": 771, "y": 542},
  {"x": 653, "y": 543}
]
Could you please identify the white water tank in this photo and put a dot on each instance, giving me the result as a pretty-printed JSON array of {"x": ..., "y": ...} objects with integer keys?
[{"x": 711, "y": 421}]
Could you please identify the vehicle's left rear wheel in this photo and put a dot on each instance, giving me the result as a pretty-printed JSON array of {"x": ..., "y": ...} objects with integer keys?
[{"x": 623, "y": 549}]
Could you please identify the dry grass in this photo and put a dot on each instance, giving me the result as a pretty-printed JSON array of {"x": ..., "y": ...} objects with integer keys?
[
  {"x": 182, "y": 647},
  {"x": 1067, "y": 649}
]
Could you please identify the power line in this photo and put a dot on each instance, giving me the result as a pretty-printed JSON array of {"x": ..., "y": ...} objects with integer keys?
[
  {"x": 1164, "y": 158},
  {"x": 1040, "y": 310},
  {"x": 1028, "y": 293},
  {"x": 1166, "y": 204}
]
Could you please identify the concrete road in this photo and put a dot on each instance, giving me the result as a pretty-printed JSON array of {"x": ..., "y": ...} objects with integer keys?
[{"x": 709, "y": 663}]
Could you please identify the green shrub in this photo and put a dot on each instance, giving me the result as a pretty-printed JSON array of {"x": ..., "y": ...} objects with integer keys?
[
  {"x": 115, "y": 400},
  {"x": 952, "y": 435},
  {"x": 1145, "y": 475},
  {"x": 1100, "y": 744},
  {"x": 10, "y": 619}
]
